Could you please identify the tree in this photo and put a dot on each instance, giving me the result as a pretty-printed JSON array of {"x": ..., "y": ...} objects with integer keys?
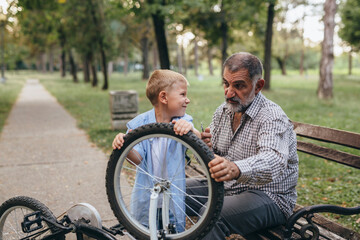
[
  {"x": 268, "y": 42},
  {"x": 327, "y": 52},
  {"x": 219, "y": 21},
  {"x": 350, "y": 27},
  {"x": 37, "y": 26},
  {"x": 158, "y": 18},
  {"x": 96, "y": 11}
]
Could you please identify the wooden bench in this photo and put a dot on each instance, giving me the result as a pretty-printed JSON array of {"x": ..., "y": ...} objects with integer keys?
[{"x": 306, "y": 223}]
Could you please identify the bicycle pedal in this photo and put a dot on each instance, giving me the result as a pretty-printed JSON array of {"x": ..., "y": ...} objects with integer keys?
[{"x": 32, "y": 222}]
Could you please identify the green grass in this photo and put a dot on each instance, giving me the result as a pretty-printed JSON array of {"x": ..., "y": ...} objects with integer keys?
[
  {"x": 9, "y": 92},
  {"x": 320, "y": 181}
]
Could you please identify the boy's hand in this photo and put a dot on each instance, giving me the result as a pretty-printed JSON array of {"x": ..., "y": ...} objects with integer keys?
[
  {"x": 206, "y": 137},
  {"x": 182, "y": 127},
  {"x": 118, "y": 141}
]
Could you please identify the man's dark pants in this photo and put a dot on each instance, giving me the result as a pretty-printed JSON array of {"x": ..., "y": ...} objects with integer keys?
[{"x": 242, "y": 214}]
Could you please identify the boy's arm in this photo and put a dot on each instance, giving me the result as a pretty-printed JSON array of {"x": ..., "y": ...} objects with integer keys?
[{"x": 133, "y": 156}]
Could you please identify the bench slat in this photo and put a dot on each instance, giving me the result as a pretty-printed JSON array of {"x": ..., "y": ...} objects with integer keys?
[
  {"x": 331, "y": 135},
  {"x": 330, "y": 154}
]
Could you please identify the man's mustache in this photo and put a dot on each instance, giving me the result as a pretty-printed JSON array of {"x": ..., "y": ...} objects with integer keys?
[{"x": 233, "y": 99}]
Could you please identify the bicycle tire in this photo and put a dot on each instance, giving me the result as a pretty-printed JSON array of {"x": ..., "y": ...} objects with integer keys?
[
  {"x": 12, "y": 213},
  {"x": 200, "y": 153}
]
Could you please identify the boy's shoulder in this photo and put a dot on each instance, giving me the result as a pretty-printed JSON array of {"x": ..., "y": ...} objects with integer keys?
[
  {"x": 186, "y": 117},
  {"x": 149, "y": 117},
  {"x": 142, "y": 119}
]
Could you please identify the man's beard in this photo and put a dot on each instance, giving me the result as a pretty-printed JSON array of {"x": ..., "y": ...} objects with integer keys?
[{"x": 240, "y": 106}]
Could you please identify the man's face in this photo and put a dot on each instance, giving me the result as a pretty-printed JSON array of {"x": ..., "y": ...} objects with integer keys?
[{"x": 239, "y": 90}]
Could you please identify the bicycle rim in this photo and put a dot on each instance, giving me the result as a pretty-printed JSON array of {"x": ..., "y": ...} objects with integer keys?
[{"x": 129, "y": 197}]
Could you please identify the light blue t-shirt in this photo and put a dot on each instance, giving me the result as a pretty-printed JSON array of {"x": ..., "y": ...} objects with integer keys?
[{"x": 151, "y": 152}]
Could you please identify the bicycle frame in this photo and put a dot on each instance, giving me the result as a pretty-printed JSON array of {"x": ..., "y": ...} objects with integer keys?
[
  {"x": 65, "y": 226},
  {"x": 33, "y": 222}
]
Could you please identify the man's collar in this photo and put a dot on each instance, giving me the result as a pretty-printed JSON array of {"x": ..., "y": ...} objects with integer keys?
[{"x": 254, "y": 107}]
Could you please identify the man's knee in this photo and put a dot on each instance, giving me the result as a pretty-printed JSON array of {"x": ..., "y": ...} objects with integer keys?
[{"x": 249, "y": 212}]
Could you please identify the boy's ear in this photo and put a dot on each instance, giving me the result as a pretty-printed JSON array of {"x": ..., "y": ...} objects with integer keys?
[{"x": 163, "y": 97}]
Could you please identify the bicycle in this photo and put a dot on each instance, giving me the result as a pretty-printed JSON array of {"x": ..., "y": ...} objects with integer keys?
[{"x": 165, "y": 195}]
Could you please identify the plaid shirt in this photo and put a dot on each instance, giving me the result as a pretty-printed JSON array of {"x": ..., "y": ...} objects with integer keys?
[{"x": 264, "y": 149}]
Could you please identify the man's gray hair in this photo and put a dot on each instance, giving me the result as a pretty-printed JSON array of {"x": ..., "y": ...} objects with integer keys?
[{"x": 244, "y": 60}]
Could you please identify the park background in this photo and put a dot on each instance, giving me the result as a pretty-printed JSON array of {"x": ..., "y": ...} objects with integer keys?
[{"x": 81, "y": 50}]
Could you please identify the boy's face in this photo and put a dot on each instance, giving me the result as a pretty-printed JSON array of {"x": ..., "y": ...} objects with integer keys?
[{"x": 177, "y": 99}]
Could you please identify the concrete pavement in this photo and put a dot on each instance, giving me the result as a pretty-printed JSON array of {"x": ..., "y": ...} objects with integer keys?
[{"x": 45, "y": 156}]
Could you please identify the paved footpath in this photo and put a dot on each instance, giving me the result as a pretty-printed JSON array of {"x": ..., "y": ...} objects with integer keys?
[{"x": 45, "y": 156}]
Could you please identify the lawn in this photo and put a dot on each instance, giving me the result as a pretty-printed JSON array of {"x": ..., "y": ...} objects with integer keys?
[
  {"x": 320, "y": 181},
  {"x": 8, "y": 94}
]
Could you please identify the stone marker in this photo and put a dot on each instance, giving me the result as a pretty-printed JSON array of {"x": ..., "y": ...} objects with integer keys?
[{"x": 123, "y": 108}]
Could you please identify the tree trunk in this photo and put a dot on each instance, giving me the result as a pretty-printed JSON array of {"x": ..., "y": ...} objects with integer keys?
[
  {"x": 281, "y": 63},
  {"x": 104, "y": 67},
  {"x": 86, "y": 69},
  {"x": 73, "y": 67},
  {"x": 155, "y": 58},
  {"x": 327, "y": 52},
  {"x": 110, "y": 68},
  {"x": 196, "y": 53},
  {"x": 209, "y": 56},
  {"x": 144, "y": 42},
  {"x": 94, "y": 82},
  {"x": 62, "y": 39},
  {"x": 51, "y": 60},
  {"x": 101, "y": 45},
  {"x": 302, "y": 54},
  {"x": 350, "y": 61},
  {"x": 159, "y": 27},
  {"x": 268, "y": 42},
  {"x": 224, "y": 38},
  {"x": 63, "y": 63},
  {"x": 43, "y": 62}
]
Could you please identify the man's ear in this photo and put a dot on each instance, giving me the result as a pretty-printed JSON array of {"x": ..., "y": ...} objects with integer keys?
[
  {"x": 259, "y": 85},
  {"x": 163, "y": 97}
]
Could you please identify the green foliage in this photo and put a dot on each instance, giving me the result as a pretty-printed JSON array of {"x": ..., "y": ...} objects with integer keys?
[
  {"x": 350, "y": 25},
  {"x": 206, "y": 16}
]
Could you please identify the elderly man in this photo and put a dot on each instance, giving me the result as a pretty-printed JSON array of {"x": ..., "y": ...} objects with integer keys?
[{"x": 255, "y": 154}]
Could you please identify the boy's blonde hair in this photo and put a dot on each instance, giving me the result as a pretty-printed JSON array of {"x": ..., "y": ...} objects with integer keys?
[{"x": 162, "y": 80}]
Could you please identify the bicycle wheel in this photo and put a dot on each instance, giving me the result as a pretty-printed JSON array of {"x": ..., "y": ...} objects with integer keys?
[
  {"x": 154, "y": 156},
  {"x": 12, "y": 214}
]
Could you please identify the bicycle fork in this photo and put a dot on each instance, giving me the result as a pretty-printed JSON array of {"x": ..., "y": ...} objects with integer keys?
[{"x": 161, "y": 187}]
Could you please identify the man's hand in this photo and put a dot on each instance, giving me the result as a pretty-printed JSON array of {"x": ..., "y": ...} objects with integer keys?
[
  {"x": 222, "y": 169},
  {"x": 182, "y": 126},
  {"x": 118, "y": 141},
  {"x": 206, "y": 137}
]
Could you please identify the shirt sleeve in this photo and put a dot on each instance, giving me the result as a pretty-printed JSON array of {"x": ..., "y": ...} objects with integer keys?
[{"x": 272, "y": 153}]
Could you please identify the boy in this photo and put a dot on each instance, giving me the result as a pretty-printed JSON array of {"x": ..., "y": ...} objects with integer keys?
[{"x": 167, "y": 92}]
